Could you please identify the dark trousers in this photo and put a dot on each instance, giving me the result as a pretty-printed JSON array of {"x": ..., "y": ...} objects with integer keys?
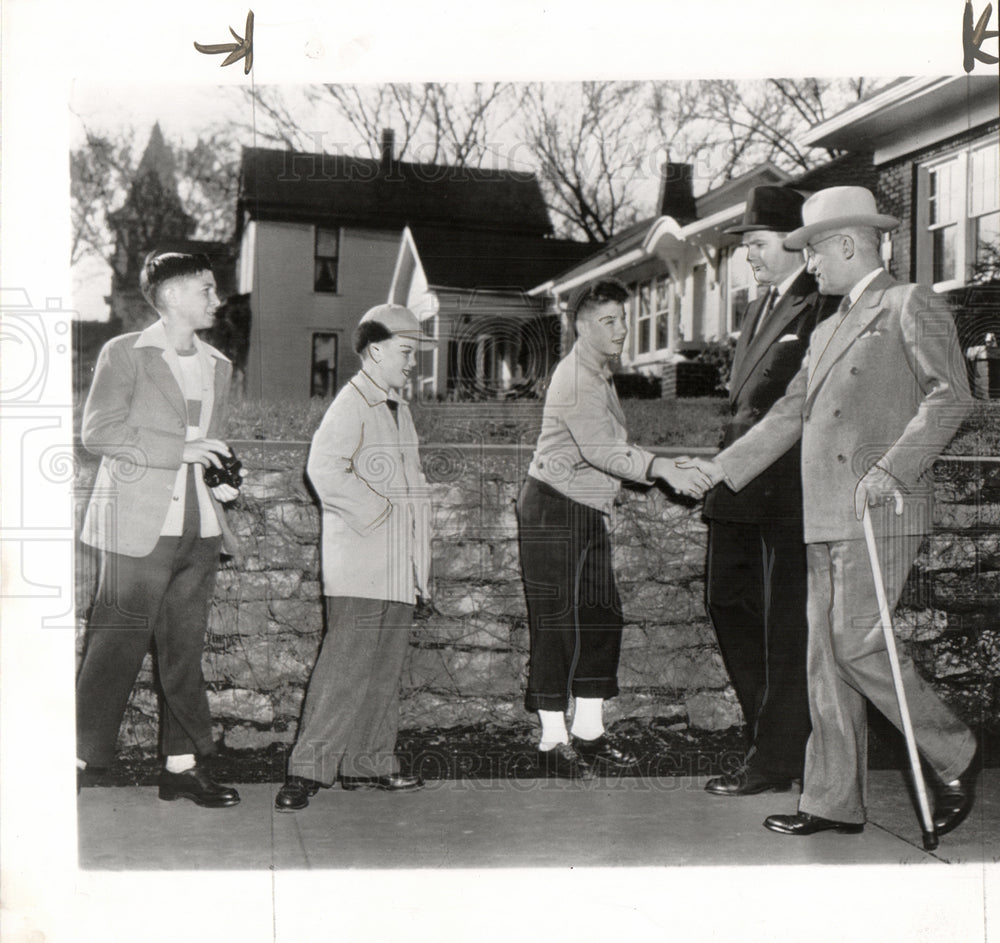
[
  {"x": 574, "y": 611},
  {"x": 351, "y": 713},
  {"x": 756, "y": 590},
  {"x": 164, "y": 597}
]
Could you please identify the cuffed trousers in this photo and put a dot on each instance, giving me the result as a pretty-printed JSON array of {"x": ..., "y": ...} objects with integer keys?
[
  {"x": 848, "y": 663},
  {"x": 574, "y": 610},
  {"x": 351, "y": 713}
]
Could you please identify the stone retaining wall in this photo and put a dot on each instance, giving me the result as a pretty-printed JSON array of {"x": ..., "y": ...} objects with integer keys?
[{"x": 467, "y": 661}]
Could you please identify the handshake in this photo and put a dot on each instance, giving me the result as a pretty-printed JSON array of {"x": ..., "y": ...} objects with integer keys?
[{"x": 690, "y": 476}]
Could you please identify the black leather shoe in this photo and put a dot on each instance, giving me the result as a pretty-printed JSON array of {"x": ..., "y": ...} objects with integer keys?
[
  {"x": 802, "y": 823},
  {"x": 563, "y": 762},
  {"x": 295, "y": 794},
  {"x": 746, "y": 782},
  {"x": 604, "y": 752},
  {"x": 196, "y": 785},
  {"x": 954, "y": 799},
  {"x": 394, "y": 782}
]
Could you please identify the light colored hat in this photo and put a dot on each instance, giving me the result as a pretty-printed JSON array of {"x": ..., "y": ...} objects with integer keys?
[
  {"x": 835, "y": 207},
  {"x": 398, "y": 320}
]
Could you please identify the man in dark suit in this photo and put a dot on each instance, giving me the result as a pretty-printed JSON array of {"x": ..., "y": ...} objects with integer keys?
[
  {"x": 155, "y": 413},
  {"x": 756, "y": 571}
]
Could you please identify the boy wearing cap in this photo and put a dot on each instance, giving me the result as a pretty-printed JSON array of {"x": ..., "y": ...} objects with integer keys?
[
  {"x": 756, "y": 563},
  {"x": 881, "y": 392},
  {"x": 154, "y": 414},
  {"x": 364, "y": 465},
  {"x": 574, "y": 611}
]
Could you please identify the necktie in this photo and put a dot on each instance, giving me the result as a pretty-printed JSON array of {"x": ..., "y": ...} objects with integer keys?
[{"x": 768, "y": 306}]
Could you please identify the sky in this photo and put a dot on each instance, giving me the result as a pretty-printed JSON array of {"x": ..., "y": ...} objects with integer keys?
[{"x": 51, "y": 47}]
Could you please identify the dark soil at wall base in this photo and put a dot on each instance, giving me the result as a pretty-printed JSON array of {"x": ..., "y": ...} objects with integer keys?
[{"x": 486, "y": 752}]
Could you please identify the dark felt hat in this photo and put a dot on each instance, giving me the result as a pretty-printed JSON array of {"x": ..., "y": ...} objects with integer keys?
[{"x": 778, "y": 209}]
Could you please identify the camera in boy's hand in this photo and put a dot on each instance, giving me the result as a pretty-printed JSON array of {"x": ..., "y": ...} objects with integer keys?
[{"x": 228, "y": 474}]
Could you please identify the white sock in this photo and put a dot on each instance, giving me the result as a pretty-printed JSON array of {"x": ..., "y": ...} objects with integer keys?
[
  {"x": 180, "y": 763},
  {"x": 553, "y": 729},
  {"x": 588, "y": 718},
  {"x": 81, "y": 764}
]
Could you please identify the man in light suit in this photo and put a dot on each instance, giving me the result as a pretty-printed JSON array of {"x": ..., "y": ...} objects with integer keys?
[
  {"x": 154, "y": 414},
  {"x": 882, "y": 390},
  {"x": 756, "y": 565}
]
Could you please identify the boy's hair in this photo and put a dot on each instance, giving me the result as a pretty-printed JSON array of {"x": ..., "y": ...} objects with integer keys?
[
  {"x": 160, "y": 267},
  {"x": 369, "y": 332},
  {"x": 600, "y": 293}
]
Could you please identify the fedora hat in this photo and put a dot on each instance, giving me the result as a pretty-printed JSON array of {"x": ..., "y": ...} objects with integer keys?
[
  {"x": 777, "y": 209},
  {"x": 399, "y": 320},
  {"x": 836, "y": 207}
]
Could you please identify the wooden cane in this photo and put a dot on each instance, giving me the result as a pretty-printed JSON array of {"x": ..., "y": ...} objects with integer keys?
[{"x": 927, "y": 820}]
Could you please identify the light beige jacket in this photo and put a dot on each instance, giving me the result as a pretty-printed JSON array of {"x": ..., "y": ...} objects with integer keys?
[
  {"x": 887, "y": 386},
  {"x": 135, "y": 418},
  {"x": 376, "y": 503}
]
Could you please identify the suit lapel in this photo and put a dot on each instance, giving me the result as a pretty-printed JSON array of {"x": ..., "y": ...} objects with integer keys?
[
  {"x": 787, "y": 310},
  {"x": 166, "y": 377},
  {"x": 740, "y": 368},
  {"x": 838, "y": 335}
]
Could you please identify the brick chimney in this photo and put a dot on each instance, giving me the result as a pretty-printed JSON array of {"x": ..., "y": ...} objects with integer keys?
[
  {"x": 388, "y": 148},
  {"x": 676, "y": 196}
]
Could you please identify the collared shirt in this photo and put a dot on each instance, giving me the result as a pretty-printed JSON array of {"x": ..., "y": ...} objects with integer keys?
[
  {"x": 855, "y": 293},
  {"x": 582, "y": 450},
  {"x": 786, "y": 283},
  {"x": 775, "y": 294}
]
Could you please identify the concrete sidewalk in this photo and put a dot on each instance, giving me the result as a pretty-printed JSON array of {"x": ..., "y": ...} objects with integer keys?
[{"x": 511, "y": 824}]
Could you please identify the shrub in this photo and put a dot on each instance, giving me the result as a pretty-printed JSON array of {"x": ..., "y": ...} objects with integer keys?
[
  {"x": 636, "y": 386},
  {"x": 719, "y": 354}
]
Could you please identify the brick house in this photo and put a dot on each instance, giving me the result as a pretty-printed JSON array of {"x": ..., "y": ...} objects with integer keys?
[{"x": 934, "y": 145}]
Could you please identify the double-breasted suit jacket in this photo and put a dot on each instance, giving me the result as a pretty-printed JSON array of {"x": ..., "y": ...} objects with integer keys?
[
  {"x": 885, "y": 384},
  {"x": 763, "y": 365},
  {"x": 135, "y": 418}
]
